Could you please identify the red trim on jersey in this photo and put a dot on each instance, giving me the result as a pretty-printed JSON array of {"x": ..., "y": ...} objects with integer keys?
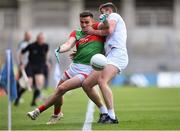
[{"x": 73, "y": 34}]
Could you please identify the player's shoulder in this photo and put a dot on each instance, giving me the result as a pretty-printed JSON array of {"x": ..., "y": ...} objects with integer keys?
[
  {"x": 74, "y": 32},
  {"x": 77, "y": 32},
  {"x": 116, "y": 15}
]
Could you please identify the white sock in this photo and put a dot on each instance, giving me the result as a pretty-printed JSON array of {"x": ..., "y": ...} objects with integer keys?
[
  {"x": 111, "y": 113},
  {"x": 103, "y": 110}
]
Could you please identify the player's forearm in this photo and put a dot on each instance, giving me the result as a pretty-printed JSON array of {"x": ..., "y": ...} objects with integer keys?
[
  {"x": 103, "y": 29},
  {"x": 65, "y": 47},
  {"x": 104, "y": 22},
  {"x": 106, "y": 25},
  {"x": 103, "y": 32}
]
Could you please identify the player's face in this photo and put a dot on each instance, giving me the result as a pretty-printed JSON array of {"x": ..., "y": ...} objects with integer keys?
[
  {"x": 86, "y": 22},
  {"x": 41, "y": 39},
  {"x": 27, "y": 36},
  {"x": 106, "y": 10}
]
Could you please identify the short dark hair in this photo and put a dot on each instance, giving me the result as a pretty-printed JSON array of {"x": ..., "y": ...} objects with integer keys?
[
  {"x": 108, "y": 4},
  {"x": 86, "y": 14}
]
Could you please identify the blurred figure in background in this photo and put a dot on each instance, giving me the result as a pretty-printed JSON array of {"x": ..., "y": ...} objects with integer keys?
[
  {"x": 38, "y": 59},
  {"x": 23, "y": 44}
]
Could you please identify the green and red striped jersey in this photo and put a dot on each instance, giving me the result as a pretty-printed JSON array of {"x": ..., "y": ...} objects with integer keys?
[{"x": 87, "y": 46}]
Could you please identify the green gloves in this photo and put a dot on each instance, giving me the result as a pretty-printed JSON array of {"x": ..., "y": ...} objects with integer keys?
[{"x": 103, "y": 17}]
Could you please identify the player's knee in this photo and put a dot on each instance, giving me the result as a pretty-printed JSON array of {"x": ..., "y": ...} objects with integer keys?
[
  {"x": 85, "y": 85},
  {"x": 85, "y": 88},
  {"x": 101, "y": 82},
  {"x": 61, "y": 90}
]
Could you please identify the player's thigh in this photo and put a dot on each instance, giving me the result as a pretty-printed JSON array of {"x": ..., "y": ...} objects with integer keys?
[
  {"x": 70, "y": 84},
  {"x": 60, "y": 82},
  {"x": 108, "y": 73},
  {"x": 39, "y": 80},
  {"x": 91, "y": 80}
]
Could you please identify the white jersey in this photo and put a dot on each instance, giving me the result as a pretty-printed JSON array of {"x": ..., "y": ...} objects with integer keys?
[
  {"x": 118, "y": 37},
  {"x": 115, "y": 45}
]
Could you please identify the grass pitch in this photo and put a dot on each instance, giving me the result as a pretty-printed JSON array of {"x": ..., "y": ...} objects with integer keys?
[{"x": 136, "y": 108}]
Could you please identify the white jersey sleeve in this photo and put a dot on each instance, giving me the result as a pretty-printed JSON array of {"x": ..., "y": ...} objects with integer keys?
[
  {"x": 114, "y": 16},
  {"x": 115, "y": 45},
  {"x": 118, "y": 37}
]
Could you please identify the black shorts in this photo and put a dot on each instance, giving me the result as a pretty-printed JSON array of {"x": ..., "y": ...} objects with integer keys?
[{"x": 33, "y": 70}]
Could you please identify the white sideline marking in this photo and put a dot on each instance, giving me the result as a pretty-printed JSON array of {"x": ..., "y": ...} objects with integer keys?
[{"x": 89, "y": 117}]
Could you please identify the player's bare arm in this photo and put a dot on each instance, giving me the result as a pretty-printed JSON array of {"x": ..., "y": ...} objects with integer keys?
[
  {"x": 104, "y": 28},
  {"x": 112, "y": 26},
  {"x": 100, "y": 32},
  {"x": 67, "y": 45}
]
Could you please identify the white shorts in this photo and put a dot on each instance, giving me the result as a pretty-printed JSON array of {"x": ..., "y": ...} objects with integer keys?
[
  {"x": 118, "y": 58},
  {"x": 80, "y": 70}
]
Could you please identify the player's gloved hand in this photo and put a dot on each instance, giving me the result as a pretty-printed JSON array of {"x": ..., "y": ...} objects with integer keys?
[
  {"x": 57, "y": 54},
  {"x": 103, "y": 17}
]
